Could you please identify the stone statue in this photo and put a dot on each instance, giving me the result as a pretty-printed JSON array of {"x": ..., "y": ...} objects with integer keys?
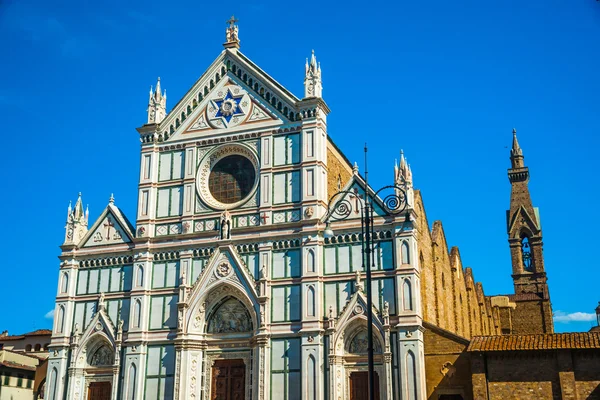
[
  {"x": 120, "y": 326},
  {"x": 76, "y": 329},
  {"x": 263, "y": 272},
  {"x": 225, "y": 225},
  {"x": 101, "y": 301},
  {"x": 330, "y": 312},
  {"x": 386, "y": 309},
  {"x": 358, "y": 278}
]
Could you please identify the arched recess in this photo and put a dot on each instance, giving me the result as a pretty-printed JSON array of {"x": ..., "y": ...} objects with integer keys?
[
  {"x": 411, "y": 376},
  {"x": 100, "y": 352},
  {"x": 130, "y": 389},
  {"x": 139, "y": 281},
  {"x": 311, "y": 378},
  {"x": 310, "y": 261},
  {"x": 405, "y": 251},
  {"x": 53, "y": 383},
  {"x": 229, "y": 315},
  {"x": 354, "y": 337},
  {"x": 310, "y": 301},
  {"x": 137, "y": 313},
  {"x": 205, "y": 305},
  {"x": 407, "y": 296},
  {"x": 60, "y": 319},
  {"x": 64, "y": 282}
]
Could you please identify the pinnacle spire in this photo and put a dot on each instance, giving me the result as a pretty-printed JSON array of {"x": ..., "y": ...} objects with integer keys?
[
  {"x": 157, "y": 104},
  {"x": 313, "y": 86},
  {"x": 516, "y": 153}
]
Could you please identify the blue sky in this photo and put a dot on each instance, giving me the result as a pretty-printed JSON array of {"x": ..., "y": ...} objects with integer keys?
[{"x": 445, "y": 81}]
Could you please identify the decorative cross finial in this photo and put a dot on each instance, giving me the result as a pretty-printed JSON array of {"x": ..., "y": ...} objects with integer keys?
[
  {"x": 232, "y": 21},
  {"x": 231, "y": 34},
  {"x": 112, "y": 199}
]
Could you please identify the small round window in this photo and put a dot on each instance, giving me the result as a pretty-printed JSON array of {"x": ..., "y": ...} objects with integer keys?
[{"x": 231, "y": 179}]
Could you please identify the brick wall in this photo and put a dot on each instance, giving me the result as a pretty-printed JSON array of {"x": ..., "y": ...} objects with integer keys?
[
  {"x": 447, "y": 365},
  {"x": 544, "y": 374}
]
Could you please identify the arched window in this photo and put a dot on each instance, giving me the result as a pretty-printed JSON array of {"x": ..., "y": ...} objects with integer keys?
[
  {"x": 310, "y": 261},
  {"x": 311, "y": 381},
  {"x": 60, "y": 319},
  {"x": 38, "y": 347},
  {"x": 140, "y": 276},
  {"x": 526, "y": 254},
  {"x": 64, "y": 283},
  {"x": 137, "y": 312},
  {"x": 405, "y": 253},
  {"x": 407, "y": 296},
  {"x": 131, "y": 382},
  {"x": 310, "y": 301},
  {"x": 28, "y": 347}
]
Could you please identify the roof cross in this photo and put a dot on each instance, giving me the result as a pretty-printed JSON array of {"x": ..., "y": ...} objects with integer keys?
[{"x": 231, "y": 21}]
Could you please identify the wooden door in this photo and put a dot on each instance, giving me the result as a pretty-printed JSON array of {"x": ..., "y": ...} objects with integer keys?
[
  {"x": 359, "y": 386},
  {"x": 99, "y": 391},
  {"x": 228, "y": 380}
]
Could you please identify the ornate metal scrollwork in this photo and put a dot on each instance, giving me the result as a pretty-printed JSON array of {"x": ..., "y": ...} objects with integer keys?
[{"x": 342, "y": 204}]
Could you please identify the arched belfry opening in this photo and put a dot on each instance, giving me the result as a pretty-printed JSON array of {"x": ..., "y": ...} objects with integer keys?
[{"x": 526, "y": 253}]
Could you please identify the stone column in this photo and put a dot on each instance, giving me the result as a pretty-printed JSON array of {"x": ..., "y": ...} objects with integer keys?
[{"x": 262, "y": 367}]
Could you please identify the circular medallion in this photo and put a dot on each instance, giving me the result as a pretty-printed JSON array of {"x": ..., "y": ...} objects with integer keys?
[
  {"x": 227, "y": 177},
  {"x": 358, "y": 309},
  {"x": 99, "y": 326},
  {"x": 223, "y": 270}
]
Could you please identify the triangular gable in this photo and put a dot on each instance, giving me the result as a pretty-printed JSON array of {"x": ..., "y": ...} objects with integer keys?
[
  {"x": 100, "y": 330},
  {"x": 112, "y": 227},
  {"x": 356, "y": 187},
  {"x": 355, "y": 311},
  {"x": 100, "y": 322},
  {"x": 520, "y": 219},
  {"x": 224, "y": 270},
  {"x": 229, "y": 66},
  {"x": 230, "y": 105}
]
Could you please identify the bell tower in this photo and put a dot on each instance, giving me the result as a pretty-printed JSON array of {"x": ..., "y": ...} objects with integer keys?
[{"x": 525, "y": 241}]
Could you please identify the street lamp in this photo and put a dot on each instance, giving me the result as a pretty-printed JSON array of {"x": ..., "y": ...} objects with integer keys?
[{"x": 341, "y": 207}]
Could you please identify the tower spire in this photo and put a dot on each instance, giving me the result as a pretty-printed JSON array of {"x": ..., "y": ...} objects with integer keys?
[
  {"x": 525, "y": 241},
  {"x": 313, "y": 86},
  {"x": 157, "y": 104},
  {"x": 77, "y": 222},
  {"x": 516, "y": 153}
]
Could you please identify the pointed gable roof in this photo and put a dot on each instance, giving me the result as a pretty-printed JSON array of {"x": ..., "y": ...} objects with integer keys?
[
  {"x": 112, "y": 227},
  {"x": 234, "y": 66},
  {"x": 225, "y": 273}
]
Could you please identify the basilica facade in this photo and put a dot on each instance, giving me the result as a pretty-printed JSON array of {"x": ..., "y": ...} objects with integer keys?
[{"x": 227, "y": 287}]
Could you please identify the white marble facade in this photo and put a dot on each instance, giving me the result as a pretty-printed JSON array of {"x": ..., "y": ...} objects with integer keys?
[{"x": 235, "y": 277}]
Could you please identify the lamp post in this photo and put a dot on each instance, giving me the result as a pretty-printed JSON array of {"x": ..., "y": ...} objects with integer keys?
[{"x": 341, "y": 207}]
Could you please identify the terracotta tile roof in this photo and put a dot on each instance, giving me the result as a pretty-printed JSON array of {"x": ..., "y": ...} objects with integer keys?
[
  {"x": 39, "y": 332},
  {"x": 549, "y": 341},
  {"x": 10, "y": 364}
]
